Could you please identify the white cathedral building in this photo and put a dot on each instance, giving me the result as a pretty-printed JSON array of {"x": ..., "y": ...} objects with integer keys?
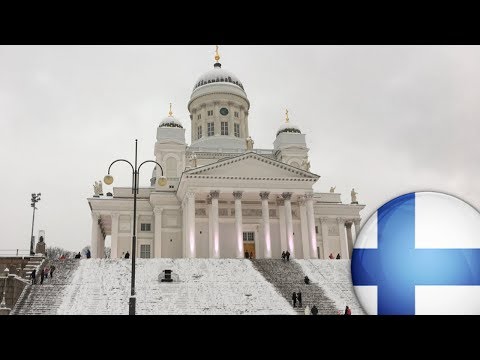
[{"x": 223, "y": 198}]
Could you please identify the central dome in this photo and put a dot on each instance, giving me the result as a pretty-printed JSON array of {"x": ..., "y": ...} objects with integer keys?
[{"x": 218, "y": 75}]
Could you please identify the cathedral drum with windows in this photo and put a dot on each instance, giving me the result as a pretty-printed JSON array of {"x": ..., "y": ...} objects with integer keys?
[{"x": 223, "y": 198}]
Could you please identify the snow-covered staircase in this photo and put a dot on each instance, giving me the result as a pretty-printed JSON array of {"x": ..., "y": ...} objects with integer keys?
[
  {"x": 334, "y": 277},
  {"x": 45, "y": 299},
  {"x": 288, "y": 277}
]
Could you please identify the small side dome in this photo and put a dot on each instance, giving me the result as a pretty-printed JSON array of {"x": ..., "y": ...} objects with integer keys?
[
  {"x": 288, "y": 127},
  {"x": 170, "y": 121}
]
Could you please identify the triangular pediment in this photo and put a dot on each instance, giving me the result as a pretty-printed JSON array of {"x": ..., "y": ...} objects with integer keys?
[{"x": 251, "y": 165}]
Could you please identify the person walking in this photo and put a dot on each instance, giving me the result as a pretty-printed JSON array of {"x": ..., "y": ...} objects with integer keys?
[
  {"x": 89, "y": 254},
  {"x": 283, "y": 255},
  {"x": 287, "y": 254},
  {"x": 251, "y": 255},
  {"x": 348, "y": 311},
  {"x": 42, "y": 275},
  {"x": 330, "y": 256},
  {"x": 299, "y": 298},
  {"x": 46, "y": 270},
  {"x": 246, "y": 255},
  {"x": 307, "y": 280},
  {"x": 52, "y": 269},
  {"x": 33, "y": 275},
  {"x": 294, "y": 299},
  {"x": 127, "y": 255},
  {"x": 314, "y": 310},
  {"x": 338, "y": 256}
]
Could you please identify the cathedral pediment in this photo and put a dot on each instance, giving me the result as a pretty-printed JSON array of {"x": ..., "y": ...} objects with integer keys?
[{"x": 250, "y": 166}]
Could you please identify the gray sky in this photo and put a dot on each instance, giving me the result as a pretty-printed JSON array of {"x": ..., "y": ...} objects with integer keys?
[{"x": 384, "y": 119}]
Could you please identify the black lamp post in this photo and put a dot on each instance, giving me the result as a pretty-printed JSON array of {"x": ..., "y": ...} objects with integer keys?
[
  {"x": 108, "y": 179},
  {"x": 35, "y": 199}
]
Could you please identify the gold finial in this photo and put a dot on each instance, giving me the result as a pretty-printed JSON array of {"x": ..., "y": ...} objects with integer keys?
[
  {"x": 170, "y": 113},
  {"x": 217, "y": 55},
  {"x": 286, "y": 116}
]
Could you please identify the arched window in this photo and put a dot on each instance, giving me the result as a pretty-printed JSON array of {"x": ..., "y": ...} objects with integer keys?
[
  {"x": 171, "y": 167},
  {"x": 295, "y": 164}
]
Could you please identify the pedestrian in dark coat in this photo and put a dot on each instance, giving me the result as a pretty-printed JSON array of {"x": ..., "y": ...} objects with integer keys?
[
  {"x": 294, "y": 299},
  {"x": 283, "y": 255},
  {"x": 299, "y": 298},
  {"x": 287, "y": 254},
  {"x": 338, "y": 256},
  {"x": 42, "y": 275},
  {"x": 307, "y": 280},
  {"x": 348, "y": 311},
  {"x": 314, "y": 310},
  {"x": 52, "y": 269},
  {"x": 89, "y": 254},
  {"x": 33, "y": 275},
  {"x": 246, "y": 254},
  {"x": 127, "y": 255}
]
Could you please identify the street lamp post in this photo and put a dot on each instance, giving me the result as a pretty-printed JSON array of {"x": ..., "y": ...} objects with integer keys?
[
  {"x": 108, "y": 179},
  {"x": 35, "y": 199}
]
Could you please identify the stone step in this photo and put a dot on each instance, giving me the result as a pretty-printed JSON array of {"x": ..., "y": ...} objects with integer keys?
[{"x": 287, "y": 277}]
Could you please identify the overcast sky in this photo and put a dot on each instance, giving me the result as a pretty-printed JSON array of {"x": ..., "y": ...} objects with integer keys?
[{"x": 384, "y": 119}]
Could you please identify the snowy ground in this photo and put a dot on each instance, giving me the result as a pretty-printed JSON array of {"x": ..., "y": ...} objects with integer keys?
[
  {"x": 206, "y": 286},
  {"x": 335, "y": 278}
]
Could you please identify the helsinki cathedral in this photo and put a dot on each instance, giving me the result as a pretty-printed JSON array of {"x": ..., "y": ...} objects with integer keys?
[{"x": 220, "y": 197}]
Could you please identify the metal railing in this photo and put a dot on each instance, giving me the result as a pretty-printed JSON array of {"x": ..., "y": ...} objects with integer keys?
[{"x": 14, "y": 252}]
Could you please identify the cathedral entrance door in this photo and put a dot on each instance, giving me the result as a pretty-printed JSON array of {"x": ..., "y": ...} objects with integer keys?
[{"x": 249, "y": 244}]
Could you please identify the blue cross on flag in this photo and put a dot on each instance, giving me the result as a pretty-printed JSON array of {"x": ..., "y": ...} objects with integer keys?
[{"x": 419, "y": 254}]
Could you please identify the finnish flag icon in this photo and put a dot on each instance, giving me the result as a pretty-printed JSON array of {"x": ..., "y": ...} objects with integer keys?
[{"x": 419, "y": 254}]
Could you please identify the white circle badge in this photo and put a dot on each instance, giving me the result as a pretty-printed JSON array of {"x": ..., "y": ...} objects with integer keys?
[{"x": 419, "y": 254}]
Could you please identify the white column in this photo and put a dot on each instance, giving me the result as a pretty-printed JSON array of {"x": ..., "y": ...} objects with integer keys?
[
  {"x": 356, "y": 222},
  {"x": 239, "y": 223},
  {"x": 184, "y": 227},
  {"x": 114, "y": 236},
  {"x": 288, "y": 217},
  {"x": 348, "y": 226},
  {"x": 215, "y": 250},
  {"x": 100, "y": 244},
  {"x": 95, "y": 231},
  {"x": 191, "y": 251},
  {"x": 312, "y": 234},
  {"x": 324, "y": 222},
  {"x": 210, "y": 226},
  {"x": 343, "y": 238},
  {"x": 267, "y": 248},
  {"x": 304, "y": 227},
  {"x": 281, "y": 218},
  {"x": 157, "y": 240}
]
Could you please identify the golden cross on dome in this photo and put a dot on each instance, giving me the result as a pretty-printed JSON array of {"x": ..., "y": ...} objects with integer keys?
[
  {"x": 286, "y": 116},
  {"x": 170, "y": 113},
  {"x": 217, "y": 55}
]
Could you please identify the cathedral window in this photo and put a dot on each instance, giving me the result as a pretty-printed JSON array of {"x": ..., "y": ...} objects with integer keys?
[
  {"x": 145, "y": 227},
  {"x": 199, "y": 116},
  {"x": 235, "y": 113},
  {"x": 145, "y": 251},
  {"x": 224, "y": 127},
  {"x": 210, "y": 129},
  {"x": 210, "y": 113},
  {"x": 236, "y": 130},
  {"x": 199, "y": 132}
]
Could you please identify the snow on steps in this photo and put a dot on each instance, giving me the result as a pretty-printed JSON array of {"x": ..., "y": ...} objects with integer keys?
[
  {"x": 334, "y": 277},
  {"x": 44, "y": 299},
  {"x": 287, "y": 276},
  {"x": 206, "y": 286}
]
